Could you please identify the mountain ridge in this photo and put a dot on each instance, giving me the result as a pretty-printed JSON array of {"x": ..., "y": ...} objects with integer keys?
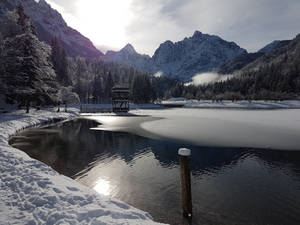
[
  {"x": 284, "y": 54},
  {"x": 243, "y": 60},
  {"x": 183, "y": 59},
  {"x": 50, "y": 24}
]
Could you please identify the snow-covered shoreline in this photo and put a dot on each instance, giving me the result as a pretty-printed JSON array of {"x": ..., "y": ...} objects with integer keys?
[
  {"x": 33, "y": 193},
  {"x": 227, "y": 104}
]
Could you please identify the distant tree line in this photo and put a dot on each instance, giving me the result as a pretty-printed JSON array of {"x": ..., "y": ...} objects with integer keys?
[
  {"x": 93, "y": 79},
  {"x": 278, "y": 81}
]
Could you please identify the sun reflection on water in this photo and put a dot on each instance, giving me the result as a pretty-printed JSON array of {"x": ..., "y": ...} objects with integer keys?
[{"x": 103, "y": 187}]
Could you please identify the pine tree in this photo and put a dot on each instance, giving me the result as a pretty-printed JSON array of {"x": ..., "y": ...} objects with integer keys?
[
  {"x": 59, "y": 60},
  {"x": 24, "y": 21},
  {"x": 141, "y": 89},
  {"x": 97, "y": 89},
  {"x": 27, "y": 66},
  {"x": 109, "y": 83}
]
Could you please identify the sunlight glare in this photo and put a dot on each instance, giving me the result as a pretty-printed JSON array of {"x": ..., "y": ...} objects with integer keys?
[
  {"x": 104, "y": 21},
  {"x": 105, "y": 119},
  {"x": 103, "y": 187}
]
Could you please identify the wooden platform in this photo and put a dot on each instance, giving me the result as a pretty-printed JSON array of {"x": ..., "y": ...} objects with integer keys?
[{"x": 120, "y": 99}]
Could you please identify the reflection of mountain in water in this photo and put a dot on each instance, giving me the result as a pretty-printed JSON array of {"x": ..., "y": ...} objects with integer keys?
[
  {"x": 286, "y": 161},
  {"x": 73, "y": 146}
]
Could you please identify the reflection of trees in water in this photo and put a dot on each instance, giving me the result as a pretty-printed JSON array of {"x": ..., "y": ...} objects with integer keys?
[
  {"x": 128, "y": 146},
  {"x": 202, "y": 159},
  {"x": 287, "y": 161},
  {"x": 74, "y": 146}
]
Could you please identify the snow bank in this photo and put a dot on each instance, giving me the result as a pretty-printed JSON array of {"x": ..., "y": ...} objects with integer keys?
[
  {"x": 292, "y": 104},
  {"x": 32, "y": 193}
]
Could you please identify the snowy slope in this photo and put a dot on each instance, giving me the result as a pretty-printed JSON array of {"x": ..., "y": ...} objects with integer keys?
[
  {"x": 245, "y": 59},
  {"x": 238, "y": 62},
  {"x": 273, "y": 45},
  {"x": 33, "y": 193},
  {"x": 49, "y": 24},
  {"x": 183, "y": 59},
  {"x": 285, "y": 54}
]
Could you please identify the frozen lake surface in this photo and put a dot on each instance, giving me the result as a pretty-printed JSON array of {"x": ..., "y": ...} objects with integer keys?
[
  {"x": 269, "y": 129},
  {"x": 236, "y": 177}
]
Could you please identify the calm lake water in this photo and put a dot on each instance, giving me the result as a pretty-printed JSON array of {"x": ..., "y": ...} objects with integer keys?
[{"x": 230, "y": 185}]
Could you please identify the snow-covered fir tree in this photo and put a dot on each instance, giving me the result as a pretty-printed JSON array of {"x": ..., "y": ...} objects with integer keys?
[{"x": 27, "y": 70}]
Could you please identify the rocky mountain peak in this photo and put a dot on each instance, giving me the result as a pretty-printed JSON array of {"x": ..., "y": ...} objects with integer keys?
[
  {"x": 197, "y": 34},
  {"x": 128, "y": 49},
  {"x": 167, "y": 43},
  {"x": 43, "y": 2},
  {"x": 164, "y": 47}
]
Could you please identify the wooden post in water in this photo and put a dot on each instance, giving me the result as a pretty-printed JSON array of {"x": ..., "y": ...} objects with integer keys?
[{"x": 186, "y": 192}]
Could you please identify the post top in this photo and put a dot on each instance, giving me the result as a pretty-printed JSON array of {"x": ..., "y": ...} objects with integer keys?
[{"x": 184, "y": 152}]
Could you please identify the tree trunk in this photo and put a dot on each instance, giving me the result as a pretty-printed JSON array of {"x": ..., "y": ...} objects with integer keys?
[{"x": 27, "y": 106}]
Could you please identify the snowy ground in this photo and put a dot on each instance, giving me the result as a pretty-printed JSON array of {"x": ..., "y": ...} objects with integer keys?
[
  {"x": 32, "y": 193},
  {"x": 292, "y": 104}
]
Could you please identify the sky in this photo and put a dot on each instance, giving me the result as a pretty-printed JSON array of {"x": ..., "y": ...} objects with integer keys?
[{"x": 111, "y": 24}]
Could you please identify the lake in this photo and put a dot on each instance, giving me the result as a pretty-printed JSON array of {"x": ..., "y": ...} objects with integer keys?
[{"x": 237, "y": 177}]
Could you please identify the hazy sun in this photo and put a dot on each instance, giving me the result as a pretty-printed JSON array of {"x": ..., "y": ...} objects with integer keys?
[{"x": 103, "y": 21}]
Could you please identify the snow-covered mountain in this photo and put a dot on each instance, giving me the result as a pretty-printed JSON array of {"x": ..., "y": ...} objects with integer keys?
[
  {"x": 129, "y": 56},
  {"x": 286, "y": 56},
  {"x": 243, "y": 60},
  {"x": 273, "y": 45},
  {"x": 238, "y": 62},
  {"x": 49, "y": 24},
  {"x": 183, "y": 59}
]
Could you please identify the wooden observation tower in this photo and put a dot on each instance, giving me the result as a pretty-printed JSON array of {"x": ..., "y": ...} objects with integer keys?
[{"x": 120, "y": 98}]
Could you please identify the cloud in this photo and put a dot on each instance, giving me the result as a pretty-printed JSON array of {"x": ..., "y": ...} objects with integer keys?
[
  {"x": 158, "y": 74},
  {"x": 206, "y": 78},
  {"x": 69, "y": 6},
  {"x": 105, "y": 48},
  {"x": 251, "y": 24},
  {"x": 68, "y": 13},
  {"x": 56, "y": 6},
  {"x": 151, "y": 25}
]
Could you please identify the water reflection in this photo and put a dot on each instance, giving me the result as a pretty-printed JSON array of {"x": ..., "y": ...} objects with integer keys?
[
  {"x": 230, "y": 186},
  {"x": 102, "y": 186}
]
